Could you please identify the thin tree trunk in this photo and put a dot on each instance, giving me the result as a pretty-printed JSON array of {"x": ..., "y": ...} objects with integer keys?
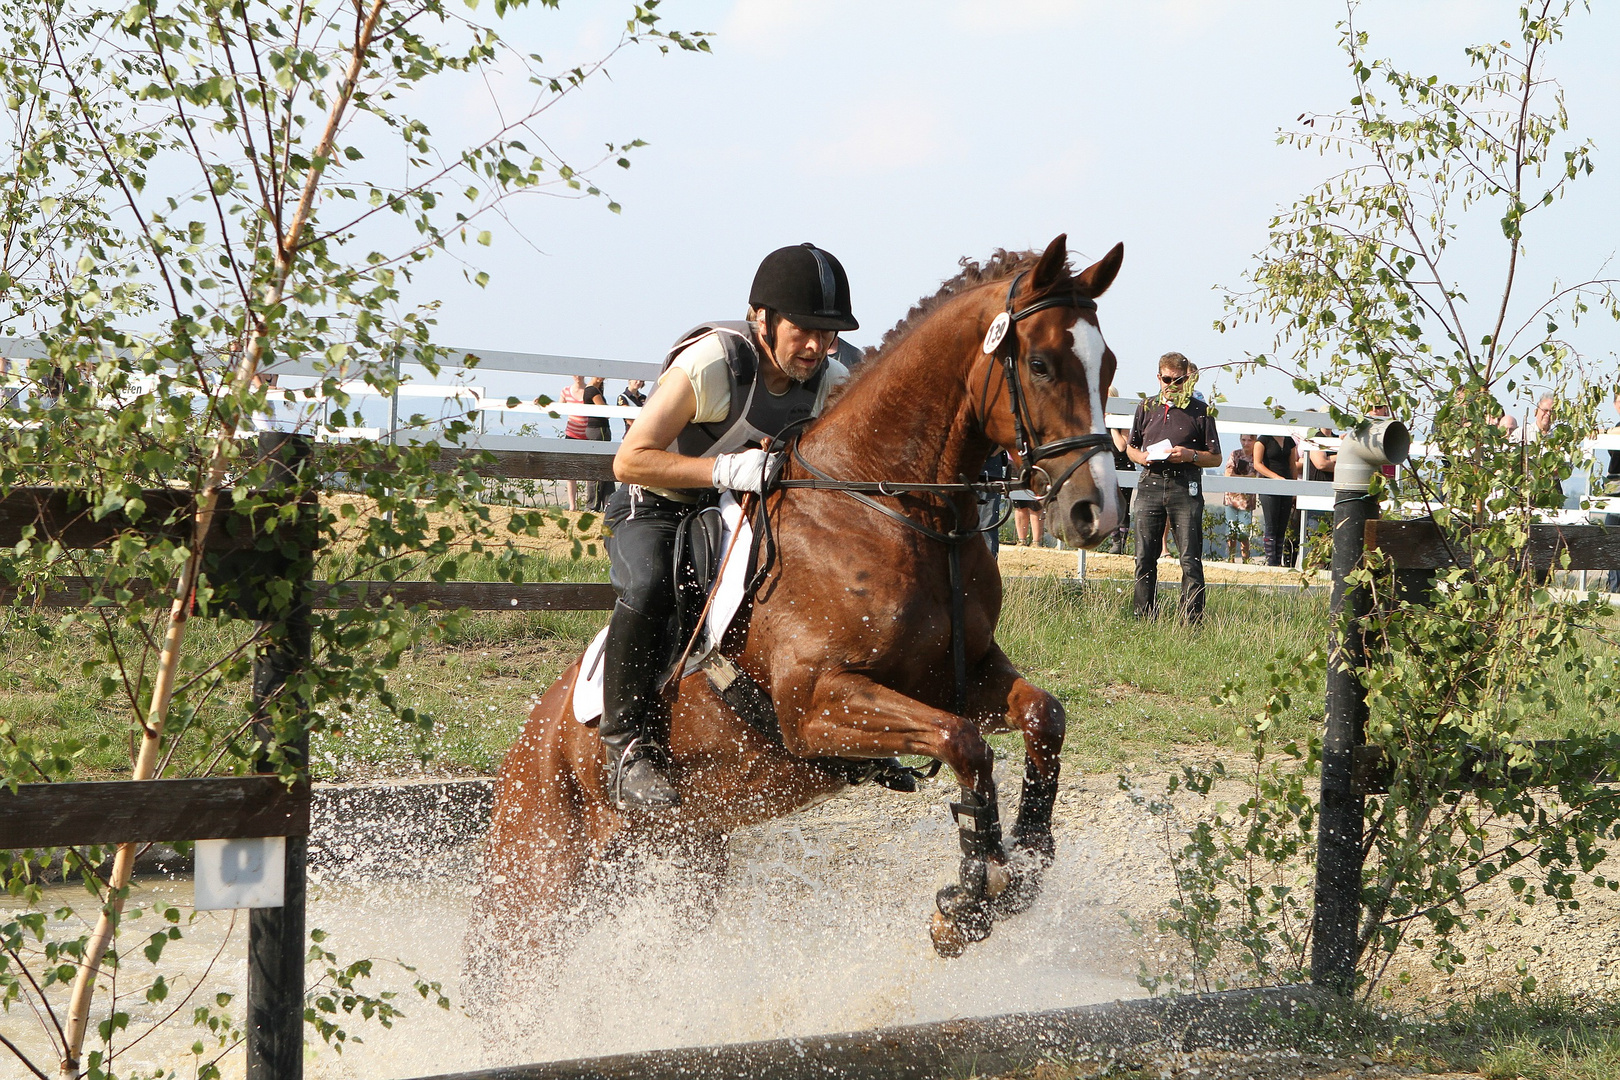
[{"x": 186, "y": 583}]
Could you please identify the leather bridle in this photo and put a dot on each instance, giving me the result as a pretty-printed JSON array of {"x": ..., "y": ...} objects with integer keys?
[{"x": 1001, "y": 343}]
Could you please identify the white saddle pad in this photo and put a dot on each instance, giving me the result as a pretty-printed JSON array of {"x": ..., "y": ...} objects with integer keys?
[{"x": 736, "y": 537}]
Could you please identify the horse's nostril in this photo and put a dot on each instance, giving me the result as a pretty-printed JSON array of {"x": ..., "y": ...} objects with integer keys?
[{"x": 1084, "y": 516}]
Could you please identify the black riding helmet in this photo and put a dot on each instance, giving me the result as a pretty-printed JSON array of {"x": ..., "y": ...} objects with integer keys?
[{"x": 806, "y": 286}]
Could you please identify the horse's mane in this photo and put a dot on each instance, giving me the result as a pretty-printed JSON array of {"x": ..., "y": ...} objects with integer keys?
[{"x": 1001, "y": 265}]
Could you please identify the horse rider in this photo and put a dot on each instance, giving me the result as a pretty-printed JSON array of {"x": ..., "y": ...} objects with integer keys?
[{"x": 726, "y": 387}]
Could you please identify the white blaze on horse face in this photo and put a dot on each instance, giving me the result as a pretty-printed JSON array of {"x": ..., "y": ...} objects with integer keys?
[{"x": 1089, "y": 345}]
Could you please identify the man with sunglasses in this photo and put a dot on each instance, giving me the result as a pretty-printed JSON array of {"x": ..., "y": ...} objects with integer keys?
[
  {"x": 726, "y": 387},
  {"x": 1173, "y": 439}
]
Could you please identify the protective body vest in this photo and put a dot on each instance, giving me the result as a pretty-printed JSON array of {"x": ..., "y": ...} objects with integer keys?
[{"x": 754, "y": 413}]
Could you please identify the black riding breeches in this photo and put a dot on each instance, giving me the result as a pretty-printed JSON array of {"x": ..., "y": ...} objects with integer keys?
[{"x": 641, "y": 548}]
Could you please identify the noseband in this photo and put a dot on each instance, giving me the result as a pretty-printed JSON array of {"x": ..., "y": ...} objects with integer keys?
[{"x": 1001, "y": 343}]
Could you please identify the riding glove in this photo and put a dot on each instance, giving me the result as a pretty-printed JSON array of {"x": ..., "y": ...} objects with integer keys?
[{"x": 742, "y": 471}]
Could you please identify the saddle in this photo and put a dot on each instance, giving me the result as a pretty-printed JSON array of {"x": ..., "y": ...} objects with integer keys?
[
  {"x": 699, "y": 553},
  {"x": 700, "y": 556}
]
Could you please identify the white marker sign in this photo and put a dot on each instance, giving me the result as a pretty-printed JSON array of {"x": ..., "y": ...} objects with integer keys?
[{"x": 241, "y": 873}]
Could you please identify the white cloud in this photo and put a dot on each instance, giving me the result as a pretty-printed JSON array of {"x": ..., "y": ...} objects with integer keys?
[
  {"x": 1018, "y": 16},
  {"x": 769, "y": 26},
  {"x": 883, "y": 136}
]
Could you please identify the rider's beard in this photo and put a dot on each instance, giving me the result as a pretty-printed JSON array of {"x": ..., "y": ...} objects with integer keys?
[{"x": 798, "y": 369}]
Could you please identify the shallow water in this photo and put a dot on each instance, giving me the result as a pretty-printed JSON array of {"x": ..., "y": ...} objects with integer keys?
[{"x": 821, "y": 926}]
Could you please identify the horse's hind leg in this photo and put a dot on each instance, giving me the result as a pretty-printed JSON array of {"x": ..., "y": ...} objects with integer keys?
[{"x": 1002, "y": 697}]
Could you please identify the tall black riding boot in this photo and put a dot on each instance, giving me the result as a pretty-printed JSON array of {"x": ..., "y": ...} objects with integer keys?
[{"x": 633, "y": 662}]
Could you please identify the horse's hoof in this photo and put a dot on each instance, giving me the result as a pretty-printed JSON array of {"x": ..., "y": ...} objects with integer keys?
[
  {"x": 1024, "y": 881},
  {"x": 969, "y": 913},
  {"x": 984, "y": 878},
  {"x": 1039, "y": 846},
  {"x": 1018, "y": 897},
  {"x": 949, "y": 941}
]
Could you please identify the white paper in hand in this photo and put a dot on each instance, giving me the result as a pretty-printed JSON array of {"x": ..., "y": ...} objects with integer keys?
[{"x": 1159, "y": 450}]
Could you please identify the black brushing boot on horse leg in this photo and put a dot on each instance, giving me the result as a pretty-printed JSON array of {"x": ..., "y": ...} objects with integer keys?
[
  {"x": 965, "y": 909},
  {"x": 1033, "y": 847},
  {"x": 634, "y": 659}
]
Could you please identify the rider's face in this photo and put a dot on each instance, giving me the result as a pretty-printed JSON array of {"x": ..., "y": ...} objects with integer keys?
[{"x": 799, "y": 351}]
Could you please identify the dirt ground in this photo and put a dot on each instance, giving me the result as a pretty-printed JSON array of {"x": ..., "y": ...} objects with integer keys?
[
  {"x": 1117, "y": 868},
  {"x": 1037, "y": 561},
  {"x": 557, "y": 540}
]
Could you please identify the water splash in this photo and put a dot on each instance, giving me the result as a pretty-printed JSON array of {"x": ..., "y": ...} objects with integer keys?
[{"x": 821, "y": 926}]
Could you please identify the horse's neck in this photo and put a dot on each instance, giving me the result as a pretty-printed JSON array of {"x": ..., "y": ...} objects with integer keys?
[{"x": 908, "y": 419}]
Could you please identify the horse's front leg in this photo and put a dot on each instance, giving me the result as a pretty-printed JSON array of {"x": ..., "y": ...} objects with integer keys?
[
  {"x": 1002, "y": 698},
  {"x": 849, "y": 715}
]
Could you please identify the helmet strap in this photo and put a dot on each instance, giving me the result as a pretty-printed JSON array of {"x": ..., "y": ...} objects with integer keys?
[{"x": 771, "y": 320}]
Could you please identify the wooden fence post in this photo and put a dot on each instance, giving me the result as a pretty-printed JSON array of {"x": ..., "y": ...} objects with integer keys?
[
  {"x": 1338, "y": 861},
  {"x": 1337, "y": 916},
  {"x": 276, "y": 936}
]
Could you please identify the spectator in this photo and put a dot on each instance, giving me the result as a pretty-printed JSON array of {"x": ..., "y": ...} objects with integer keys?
[
  {"x": 1510, "y": 426},
  {"x": 1319, "y": 465},
  {"x": 995, "y": 470},
  {"x": 597, "y": 429},
  {"x": 1546, "y": 413},
  {"x": 574, "y": 394},
  {"x": 1276, "y": 457},
  {"x": 633, "y": 397},
  {"x": 276, "y": 415},
  {"x": 1611, "y": 489},
  {"x": 1122, "y": 463},
  {"x": 1172, "y": 438},
  {"x": 1027, "y": 519},
  {"x": 1238, "y": 506}
]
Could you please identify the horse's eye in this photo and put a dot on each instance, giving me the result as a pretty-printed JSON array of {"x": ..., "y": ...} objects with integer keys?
[{"x": 1039, "y": 367}]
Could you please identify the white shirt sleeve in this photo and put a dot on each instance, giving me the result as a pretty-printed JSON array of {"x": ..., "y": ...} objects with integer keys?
[{"x": 704, "y": 364}]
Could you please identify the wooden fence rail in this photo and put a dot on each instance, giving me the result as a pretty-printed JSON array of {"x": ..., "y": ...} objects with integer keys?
[
  {"x": 1420, "y": 548},
  {"x": 1419, "y": 545},
  {"x": 141, "y": 811},
  {"x": 74, "y": 592},
  {"x": 70, "y": 520}
]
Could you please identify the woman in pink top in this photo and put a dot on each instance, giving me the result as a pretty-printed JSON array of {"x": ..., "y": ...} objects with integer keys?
[{"x": 574, "y": 394}]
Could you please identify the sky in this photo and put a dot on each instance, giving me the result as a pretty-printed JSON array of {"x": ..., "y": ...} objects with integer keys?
[{"x": 905, "y": 135}]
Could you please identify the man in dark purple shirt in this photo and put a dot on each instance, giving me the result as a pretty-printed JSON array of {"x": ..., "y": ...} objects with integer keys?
[{"x": 1173, "y": 439}]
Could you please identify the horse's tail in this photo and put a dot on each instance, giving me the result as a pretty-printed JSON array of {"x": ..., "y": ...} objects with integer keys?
[{"x": 539, "y": 838}]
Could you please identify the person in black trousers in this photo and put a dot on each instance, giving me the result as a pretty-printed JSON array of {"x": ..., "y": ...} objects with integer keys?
[
  {"x": 995, "y": 469},
  {"x": 598, "y": 429},
  {"x": 1122, "y": 463},
  {"x": 1276, "y": 457},
  {"x": 1172, "y": 440},
  {"x": 634, "y": 397}
]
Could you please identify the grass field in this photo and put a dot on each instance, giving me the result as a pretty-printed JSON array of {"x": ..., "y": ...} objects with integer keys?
[
  {"x": 1134, "y": 691},
  {"x": 1496, "y": 1037}
]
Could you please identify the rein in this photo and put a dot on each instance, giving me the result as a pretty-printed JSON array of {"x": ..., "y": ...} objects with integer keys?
[{"x": 1001, "y": 342}]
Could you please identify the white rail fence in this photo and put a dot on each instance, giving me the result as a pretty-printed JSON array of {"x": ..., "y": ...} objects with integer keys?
[{"x": 460, "y": 365}]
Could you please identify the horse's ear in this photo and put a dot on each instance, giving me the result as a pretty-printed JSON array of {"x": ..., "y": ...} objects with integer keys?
[
  {"x": 1095, "y": 279},
  {"x": 1053, "y": 267}
]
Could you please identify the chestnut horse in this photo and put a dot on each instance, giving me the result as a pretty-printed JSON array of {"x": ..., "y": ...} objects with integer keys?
[{"x": 851, "y": 629}]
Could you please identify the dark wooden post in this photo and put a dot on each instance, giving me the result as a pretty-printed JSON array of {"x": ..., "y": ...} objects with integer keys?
[
  {"x": 276, "y": 937},
  {"x": 1337, "y": 916},
  {"x": 1338, "y": 861}
]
